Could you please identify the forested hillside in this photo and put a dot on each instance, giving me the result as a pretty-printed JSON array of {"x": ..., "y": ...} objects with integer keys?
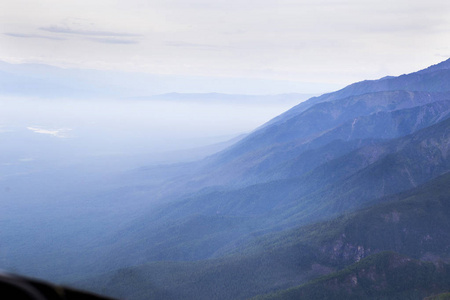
[{"x": 334, "y": 180}]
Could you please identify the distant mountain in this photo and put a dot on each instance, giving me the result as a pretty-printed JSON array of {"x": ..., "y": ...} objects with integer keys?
[
  {"x": 40, "y": 80},
  {"x": 35, "y": 80},
  {"x": 293, "y": 98}
]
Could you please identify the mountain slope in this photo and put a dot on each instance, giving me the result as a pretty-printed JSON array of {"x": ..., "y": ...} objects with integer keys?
[
  {"x": 311, "y": 117},
  {"x": 270, "y": 146},
  {"x": 254, "y": 207},
  {"x": 379, "y": 125},
  {"x": 203, "y": 224},
  {"x": 432, "y": 79},
  {"x": 383, "y": 276},
  {"x": 374, "y": 171},
  {"x": 414, "y": 223}
]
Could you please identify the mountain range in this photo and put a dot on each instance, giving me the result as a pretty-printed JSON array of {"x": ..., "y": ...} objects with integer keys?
[
  {"x": 344, "y": 196},
  {"x": 306, "y": 206}
]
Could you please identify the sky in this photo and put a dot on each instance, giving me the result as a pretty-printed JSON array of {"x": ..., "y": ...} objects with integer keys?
[{"x": 321, "y": 42}]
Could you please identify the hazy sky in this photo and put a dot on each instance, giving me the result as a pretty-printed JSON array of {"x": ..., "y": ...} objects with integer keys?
[{"x": 321, "y": 41}]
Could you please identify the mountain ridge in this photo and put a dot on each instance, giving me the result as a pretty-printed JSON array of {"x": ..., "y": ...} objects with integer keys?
[
  {"x": 367, "y": 86},
  {"x": 335, "y": 180}
]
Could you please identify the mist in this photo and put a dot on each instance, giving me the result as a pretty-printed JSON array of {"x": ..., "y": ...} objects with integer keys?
[
  {"x": 72, "y": 130},
  {"x": 66, "y": 166}
]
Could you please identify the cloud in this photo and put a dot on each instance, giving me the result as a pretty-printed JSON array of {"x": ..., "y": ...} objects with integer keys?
[
  {"x": 33, "y": 36},
  {"x": 104, "y": 37},
  {"x": 114, "y": 41},
  {"x": 59, "y": 29},
  {"x": 192, "y": 45},
  {"x": 60, "y": 133},
  {"x": 26, "y": 159}
]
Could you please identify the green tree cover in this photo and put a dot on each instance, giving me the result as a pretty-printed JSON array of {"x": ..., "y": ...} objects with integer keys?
[
  {"x": 286, "y": 259},
  {"x": 386, "y": 275},
  {"x": 444, "y": 296}
]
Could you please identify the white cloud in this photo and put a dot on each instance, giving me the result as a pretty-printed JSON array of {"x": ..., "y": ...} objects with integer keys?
[
  {"x": 59, "y": 133},
  {"x": 60, "y": 29},
  {"x": 26, "y": 159},
  {"x": 34, "y": 36},
  {"x": 114, "y": 41}
]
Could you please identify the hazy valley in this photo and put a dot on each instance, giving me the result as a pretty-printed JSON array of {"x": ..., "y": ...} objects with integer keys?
[{"x": 344, "y": 195}]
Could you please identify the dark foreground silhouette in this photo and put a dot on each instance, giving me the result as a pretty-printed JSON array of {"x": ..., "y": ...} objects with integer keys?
[{"x": 18, "y": 288}]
